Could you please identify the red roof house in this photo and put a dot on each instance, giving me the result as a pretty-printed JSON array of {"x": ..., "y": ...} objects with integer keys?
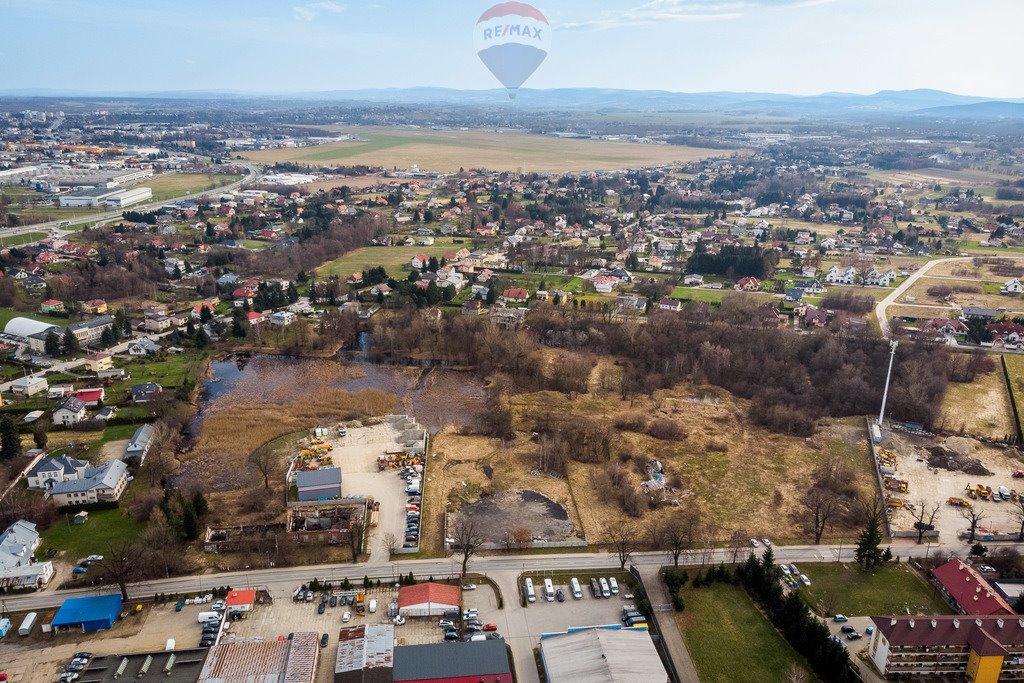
[
  {"x": 90, "y": 397},
  {"x": 240, "y": 601},
  {"x": 428, "y": 599},
  {"x": 968, "y": 591}
]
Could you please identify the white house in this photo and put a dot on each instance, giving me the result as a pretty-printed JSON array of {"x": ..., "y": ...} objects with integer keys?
[
  {"x": 143, "y": 347},
  {"x": 841, "y": 276},
  {"x": 105, "y": 483},
  {"x": 18, "y": 569},
  {"x": 282, "y": 318},
  {"x": 70, "y": 411},
  {"x": 877, "y": 278},
  {"x": 50, "y": 471},
  {"x": 1013, "y": 286},
  {"x": 29, "y": 386}
]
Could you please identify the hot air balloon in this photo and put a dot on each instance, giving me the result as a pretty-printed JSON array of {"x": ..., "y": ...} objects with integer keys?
[{"x": 512, "y": 39}]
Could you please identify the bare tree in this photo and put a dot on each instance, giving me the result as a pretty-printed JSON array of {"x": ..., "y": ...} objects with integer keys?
[
  {"x": 974, "y": 518},
  {"x": 623, "y": 539},
  {"x": 795, "y": 674},
  {"x": 263, "y": 460},
  {"x": 739, "y": 540},
  {"x": 122, "y": 564},
  {"x": 356, "y": 534},
  {"x": 679, "y": 532},
  {"x": 467, "y": 540},
  {"x": 923, "y": 513},
  {"x": 390, "y": 541},
  {"x": 819, "y": 509},
  {"x": 1018, "y": 513}
]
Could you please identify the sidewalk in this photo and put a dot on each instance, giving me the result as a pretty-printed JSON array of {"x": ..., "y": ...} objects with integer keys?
[{"x": 661, "y": 602}]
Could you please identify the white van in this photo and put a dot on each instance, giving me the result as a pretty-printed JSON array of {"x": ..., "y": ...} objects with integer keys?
[
  {"x": 605, "y": 591},
  {"x": 614, "y": 585},
  {"x": 577, "y": 592},
  {"x": 207, "y": 617},
  {"x": 549, "y": 590},
  {"x": 477, "y": 637},
  {"x": 373, "y": 606},
  {"x": 531, "y": 596}
]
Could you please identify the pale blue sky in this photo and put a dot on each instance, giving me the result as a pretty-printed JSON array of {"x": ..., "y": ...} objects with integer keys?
[{"x": 969, "y": 47}]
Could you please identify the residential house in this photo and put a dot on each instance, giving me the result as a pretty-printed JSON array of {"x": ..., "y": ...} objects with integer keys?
[
  {"x": 472, "y": 307},
  {"x": 141, "y": 393},
  {"x": 419, "y": 261},
  {"x": 94, "y": 306},
  {"x": 947, "y": 327},
  {"x": 282, "y": 318},
  {"x": 143, "y": 347},
  {"x": 667, "y": 304},
  {"x": 841, "y": 276},
  {"x": 104, "y": 483},
  {"x": 254, "y": 319},
  {"x": 748, "y": 284},
  {"x": 157, "y": 323},
  {"x": 978, "y": 312},
  {"x": 50, "y": 471},
  {"x": 693, "y": 280},
  {"x": 99, "y": 361},
  {"x": 52, "y": 306},
  {"x": 967, "y": 591},
  {"x": 140, "y": 443},
  {"x": 814, "y": 287},
  {"x": 877, "y": 278},
  {"x": 29, "y": 386},
  {"x": 90, "y": 396},
  {"x": 1008, "y": 334},
  {"x": 507, "y": 317},
  {"x": 604, "y": 284},
  {"x": 1013, "y": 286},
  {"x": 70, "y": 411},
  {"x": 18, "y": 568},
  {"x": 515, "y": 295}
]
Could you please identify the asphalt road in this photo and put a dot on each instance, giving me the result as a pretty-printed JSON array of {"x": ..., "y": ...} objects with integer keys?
[
  {"x": 252, "y": 174},
  {"x": 882, "y": 306},
  {"x": 292, "y": 577}
]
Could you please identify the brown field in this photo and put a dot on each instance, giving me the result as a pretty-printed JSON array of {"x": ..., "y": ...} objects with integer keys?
[
  {"x": 982, "y": 271},
  {"x": 930, "y": 176},
  {"x": 983, "y": 298},
  {"x": 741, "y": 476},
  {"x": 359, "y": 182},
  {"x": 922, "y": 312},
  {"x": 448, "y": 151},
  {"x": 980, "y": 408}
]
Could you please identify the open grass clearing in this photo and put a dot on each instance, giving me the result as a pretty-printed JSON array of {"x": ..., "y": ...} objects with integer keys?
[
  {"x": 451, "y": 150},
  {"x": 25, "y": 238},
  {"x": 981, "y": 408},
  {"x": 730, "y": 641},
  {"x": 394, "y": 259},
  {"x": 6, "y": 314},
  {"x": 714, "y": 296},
  {"x": 846, "y": 589},
  {"x": 170, "y": 185},
  {"x": 103, "y": 529}
]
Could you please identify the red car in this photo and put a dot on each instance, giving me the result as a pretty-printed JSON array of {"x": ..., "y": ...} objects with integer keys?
[{"x": 490, "y": 627}]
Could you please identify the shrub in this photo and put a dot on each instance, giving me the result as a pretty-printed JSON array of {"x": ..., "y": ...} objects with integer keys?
[{"x": 666, "y": 430}]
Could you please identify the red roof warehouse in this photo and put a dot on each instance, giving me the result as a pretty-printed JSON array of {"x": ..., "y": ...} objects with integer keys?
[
  {"x": 428, "y": 599},
  {"x": 968, "y": 591}
]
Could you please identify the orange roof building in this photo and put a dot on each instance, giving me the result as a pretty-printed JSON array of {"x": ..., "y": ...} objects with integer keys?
[
  {"x": 428, "y": 599},
  {"x": 240, "y": 601}
]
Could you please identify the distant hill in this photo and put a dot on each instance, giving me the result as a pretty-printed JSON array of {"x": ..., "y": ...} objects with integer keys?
[{"x": 885, "y": 103}]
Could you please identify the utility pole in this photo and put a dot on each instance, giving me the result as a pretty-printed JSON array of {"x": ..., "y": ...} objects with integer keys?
[{"x": 885, "y": 394}]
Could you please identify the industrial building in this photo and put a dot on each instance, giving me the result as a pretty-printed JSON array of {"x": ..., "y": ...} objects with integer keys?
[
  {"x": 176, "y": 666},
  {"x": 292, "y": 659},
  {"x": 88, "y": 332},
  {"x": 93, "y": 613},
  {"x": 321, "y": 484},
  {"x": 104, "y": 196},
  {"x": 428, "y": 599},
  {"x": 457, "y": 662},
  {"x": 365, "y": 654},
  {"x": 601, "y": 655},
  {"x": 984, "y": 649}
]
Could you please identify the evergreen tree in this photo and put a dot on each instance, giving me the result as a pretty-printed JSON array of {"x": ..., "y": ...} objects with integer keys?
[
  {"x": 107, "y": 338},
  {"x": 10, "y": 441},
  {"x": 70, "y": 342},
  {"x": 293, "y": 293},
  {"x": 869, "y": 554},
  {"x": 190, "y": 328},
  {"x": 202, "y": 339},
  {"x": 52, "y": 344},
  {"x": 199, "y": 504},
  {"x": 205, "y": 314}
]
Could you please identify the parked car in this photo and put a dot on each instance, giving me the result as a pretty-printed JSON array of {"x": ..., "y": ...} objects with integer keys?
[
  {"x": 309, "y": 596},
  {"x": 853, "y": 636},
  {"x": 409, "y": 544},
  {"x": 446, "y": 623},
  {"x": 804, "y": 580},
  {"x": 869, "y": 630},
  {"x": 490, "y": 627},
  {"x": 334, "y": 601},
  {"x": 321, "y": 608},
  {"x": 323, "y": 640},
  {"x": 473, "y": 628},
  {"x": 471, "y": 613},
  {"x": 839, "y": 618},
  {"x": 794, "y": 570},
  {"x": 219, "y": 606},
  {"x": 79, "y": 570},
  {"x": 848, "y": 629},
  {"x": 346, "y": 617},
  {"x": 754, "y": 543},
  {"x": 83, "y": 655},
  {"x": 95, "y": 558},
  {"x": 560, "y": 595},
  {"x": 451, "y": 635},
  {"x": 207, "y": 642},
  {"x": 767, "y": 543},
  {"x": 469, "y": 587},
  {"x": 74, "y": 666}
]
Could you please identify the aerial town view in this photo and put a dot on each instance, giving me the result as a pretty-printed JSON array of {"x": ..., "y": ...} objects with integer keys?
[{"x": 674, "y": 341}]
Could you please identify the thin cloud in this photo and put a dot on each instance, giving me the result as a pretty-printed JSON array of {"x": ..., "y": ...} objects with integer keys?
[
  {"x": 310, "y": 10},
  {"x": 661, "y": 11}
]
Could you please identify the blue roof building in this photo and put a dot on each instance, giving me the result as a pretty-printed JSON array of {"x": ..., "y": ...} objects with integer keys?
[{"x": 88, "y": 614}]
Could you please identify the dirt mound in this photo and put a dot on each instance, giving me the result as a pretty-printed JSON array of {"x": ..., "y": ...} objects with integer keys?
[
  {"x": 960, "y": 445},
  {"x": 943, "y": 457}
]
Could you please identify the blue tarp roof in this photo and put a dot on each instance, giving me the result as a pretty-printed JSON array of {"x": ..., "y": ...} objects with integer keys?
[{"x": 99, "y": 608}]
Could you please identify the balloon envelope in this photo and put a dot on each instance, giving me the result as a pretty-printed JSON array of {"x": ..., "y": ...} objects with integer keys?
[{"x": 512, "y": 39}]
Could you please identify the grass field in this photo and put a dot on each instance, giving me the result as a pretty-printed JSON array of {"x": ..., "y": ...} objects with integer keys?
[
  {"x": 170, "y": 185},
  {"x": 18, "y": 240},
  {"x": 713, "y": 296},
  {"x": 981, "y": 407},
  {"x": 96, "y": 536},
  {"x": 394, "y": 259},
  {"x": 730, "y": 641},
  {"x": 451, "y": 150},
  {"x": 845, "y": 589},
  {"x": 7, "y": 313}
]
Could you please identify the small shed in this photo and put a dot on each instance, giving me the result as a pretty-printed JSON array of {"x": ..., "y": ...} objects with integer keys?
[
  {"x": 93, "y": 613},
  {"x": 322, "y": 484},
  {"x": 80, "y": 517}
]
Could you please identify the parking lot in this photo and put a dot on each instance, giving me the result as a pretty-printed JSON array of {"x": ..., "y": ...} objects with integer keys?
[
  {"x": 41, "y": 656},
  {"x": 356, "y": 455}
]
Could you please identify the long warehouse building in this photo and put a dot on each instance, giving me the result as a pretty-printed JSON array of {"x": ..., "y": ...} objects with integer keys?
[{"x": 103, "y": 196}]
